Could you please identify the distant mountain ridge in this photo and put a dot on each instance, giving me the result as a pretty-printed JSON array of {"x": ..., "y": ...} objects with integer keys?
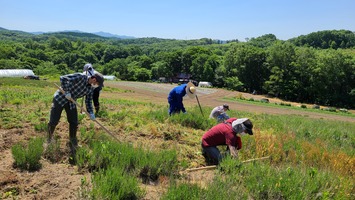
[
  {"x": 100, "y": 33},
  {"x": 109, "y": 35}
]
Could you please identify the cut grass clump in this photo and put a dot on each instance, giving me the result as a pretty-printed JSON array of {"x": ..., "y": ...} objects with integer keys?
[{"x": 28, "y": 157}]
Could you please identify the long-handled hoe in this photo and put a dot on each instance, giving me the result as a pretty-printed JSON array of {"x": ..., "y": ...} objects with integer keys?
[
  {"x": 86, "y": 112},
  {"x": 215, "y": 166},
  {"x": 199, "y": 106}
]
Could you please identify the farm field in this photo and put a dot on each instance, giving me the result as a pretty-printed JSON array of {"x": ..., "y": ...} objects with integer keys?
[
  {"x": 137, "y": 114},
  {"x": 212, "y": 97}
]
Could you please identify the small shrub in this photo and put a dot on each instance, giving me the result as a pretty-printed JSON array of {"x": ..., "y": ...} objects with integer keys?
[
  {"x": 229, "y": 165},
  {"x": 264, "y": 100},
  {"x": 303, "y": 106},
  {"x": 330, "y": 109},
  {"x": 81, "y": 117},
  {"x": 119, "y": 116},
  {"x": 27, "y": 158},
  {"x": 239, "y": 96},
  {"x": 285, "y": 104},
  {"x": 315, "y": 106},
  {"x": 16, "y": 102},
  {"x": 115, "y": 183},
  {"x": 82, "y": 158},
  {"x": 10, "y": 192},
  {"x": 102, "y": 113},
  {"x": 52, "y": 151},
  {"x": 41, "y": 127},
  {"x": 183, "y": 191},
  {"x": 84, "y": 190},
  {"x": 87, "y": 136}
]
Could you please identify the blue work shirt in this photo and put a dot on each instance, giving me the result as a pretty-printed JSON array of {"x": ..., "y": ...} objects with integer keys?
[{"x": 175, "y": 98}]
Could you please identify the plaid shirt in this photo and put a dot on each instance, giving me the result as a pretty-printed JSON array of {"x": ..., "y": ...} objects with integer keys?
[{"x": 77, "y": 85}]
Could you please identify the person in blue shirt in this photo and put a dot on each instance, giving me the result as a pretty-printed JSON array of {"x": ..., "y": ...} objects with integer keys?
[
  {"x": 176, "y": 95},
  {"x": 75, "y": 86}
]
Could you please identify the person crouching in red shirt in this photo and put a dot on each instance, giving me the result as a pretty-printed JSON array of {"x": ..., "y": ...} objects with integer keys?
[{"x": 225, "y": 133}]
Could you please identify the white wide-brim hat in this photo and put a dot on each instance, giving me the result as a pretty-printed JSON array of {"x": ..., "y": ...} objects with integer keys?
[
  {"x": 246, "y": 122},
  {"x": 190, "y": 90}
]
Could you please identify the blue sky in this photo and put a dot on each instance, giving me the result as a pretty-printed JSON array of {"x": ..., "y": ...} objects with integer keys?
[{"x": 181, "y": 19}]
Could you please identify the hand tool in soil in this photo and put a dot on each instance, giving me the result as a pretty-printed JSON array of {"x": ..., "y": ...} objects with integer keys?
[
  {"x": 199, "y": 106},
  {"x": 87, "y": 113},
  {"x": 215, "y": 166}
]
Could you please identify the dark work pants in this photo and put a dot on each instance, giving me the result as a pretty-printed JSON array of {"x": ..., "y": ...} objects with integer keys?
[
  {"x": 212, "y": 155},
  {"x": 56, "y": 112},
  {"x": 95, "y": 98}
]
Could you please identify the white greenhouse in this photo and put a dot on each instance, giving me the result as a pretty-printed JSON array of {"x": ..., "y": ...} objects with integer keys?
[{"x": 16, "y": 72}]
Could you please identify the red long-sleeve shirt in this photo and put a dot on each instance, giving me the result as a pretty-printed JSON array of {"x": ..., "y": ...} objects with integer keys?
[{"x": 222, "y": 134}]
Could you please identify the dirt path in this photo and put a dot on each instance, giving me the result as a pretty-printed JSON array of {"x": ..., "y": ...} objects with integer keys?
[{"x": 212, "y": 97}]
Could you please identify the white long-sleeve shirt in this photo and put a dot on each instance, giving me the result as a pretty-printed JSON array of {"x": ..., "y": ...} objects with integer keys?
[{"x": 217, "y": 111}]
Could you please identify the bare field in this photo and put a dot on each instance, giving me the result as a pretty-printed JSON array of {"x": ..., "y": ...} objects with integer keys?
[{"x": 212, "y": 97}]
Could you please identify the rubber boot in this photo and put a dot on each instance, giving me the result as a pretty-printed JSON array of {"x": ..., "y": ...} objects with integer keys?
[
  {"x": 97, "y": 108},
  {"x": 73, "y": 143},
  {"x": 50, "y": 132}
]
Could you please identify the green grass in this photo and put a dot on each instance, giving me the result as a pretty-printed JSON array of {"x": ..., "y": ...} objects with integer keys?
[
  {"x": 309, "y": 158},
  {"x": 27, "y": 157},
  {"x": 282, "y": 105}
]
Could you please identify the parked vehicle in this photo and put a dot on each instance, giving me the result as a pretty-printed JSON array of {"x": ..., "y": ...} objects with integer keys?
[{"x": 205, "y": 84}]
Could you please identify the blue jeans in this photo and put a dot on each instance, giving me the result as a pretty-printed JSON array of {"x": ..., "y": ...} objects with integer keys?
[
  {"x": 222, "y": 117},
  {"x": 212, "y": 155}
]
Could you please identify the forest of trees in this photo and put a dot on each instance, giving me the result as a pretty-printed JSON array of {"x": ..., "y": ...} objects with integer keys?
[{"x": 316, "y": 68}]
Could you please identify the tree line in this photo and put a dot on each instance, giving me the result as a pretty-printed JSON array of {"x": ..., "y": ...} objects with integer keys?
[{"x": 316, "y": 68}]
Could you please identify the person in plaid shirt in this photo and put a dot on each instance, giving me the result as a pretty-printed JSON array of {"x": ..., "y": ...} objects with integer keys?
[
  {"x": 75, "y": 86},
  {"x": 89, "y": 71}
]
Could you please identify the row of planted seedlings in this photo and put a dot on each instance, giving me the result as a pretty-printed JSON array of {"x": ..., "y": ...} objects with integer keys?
[
  {"x": 119, "y": 167},
  {"x": 115, "y": 167},
  {"x": 310, "y": 159},
  {"x": 295, "y": 170}
]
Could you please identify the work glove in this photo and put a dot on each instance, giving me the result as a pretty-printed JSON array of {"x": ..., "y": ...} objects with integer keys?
[
  {"x": 68, "y": 96},
  {"x": 92, "y": 116}
]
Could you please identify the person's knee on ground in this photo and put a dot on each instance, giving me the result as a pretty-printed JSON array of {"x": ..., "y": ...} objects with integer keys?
[
  {"x": 212, "y": 155},
  {"x": 210, "y": 160}
]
